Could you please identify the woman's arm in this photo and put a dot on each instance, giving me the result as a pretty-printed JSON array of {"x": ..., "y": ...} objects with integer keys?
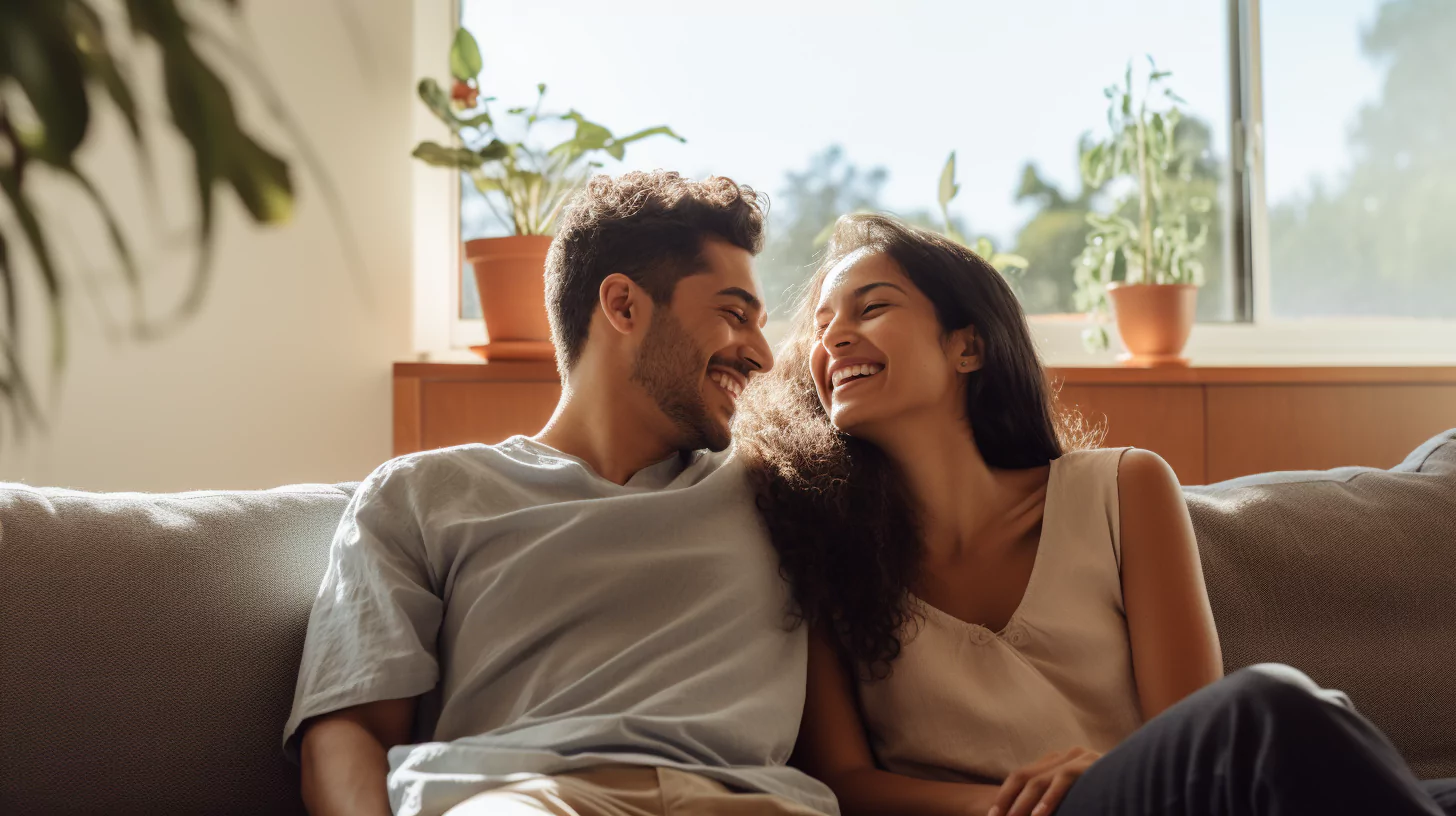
[
  {"x": 832, "y": 748},
  {"x": 1175, "y": 648}
]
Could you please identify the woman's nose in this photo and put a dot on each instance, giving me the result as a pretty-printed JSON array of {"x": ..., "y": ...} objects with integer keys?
[{"x": 838, "y": 335}]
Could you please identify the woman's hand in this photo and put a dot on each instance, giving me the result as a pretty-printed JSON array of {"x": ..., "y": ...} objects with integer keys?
[{"x": 1037, "y": 789}]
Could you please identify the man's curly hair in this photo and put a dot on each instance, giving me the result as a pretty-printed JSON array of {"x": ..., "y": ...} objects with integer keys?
[{"x": 647, "y": 226}]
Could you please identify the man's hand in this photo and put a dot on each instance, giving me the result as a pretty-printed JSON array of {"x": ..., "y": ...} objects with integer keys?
[{"x": 1038, "y": 788}]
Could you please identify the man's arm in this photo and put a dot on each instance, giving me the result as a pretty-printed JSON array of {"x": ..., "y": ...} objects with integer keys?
[{"x": 344, "y": 757}]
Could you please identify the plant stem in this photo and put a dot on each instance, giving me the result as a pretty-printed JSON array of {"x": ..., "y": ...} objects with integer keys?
[{"x": 1146, "y": 217}]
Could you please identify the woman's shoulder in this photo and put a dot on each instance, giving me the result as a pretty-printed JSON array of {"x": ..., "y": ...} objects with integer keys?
[
  {"x": 1125, "y": 469},
  {"x": 1090, "y": 462}
]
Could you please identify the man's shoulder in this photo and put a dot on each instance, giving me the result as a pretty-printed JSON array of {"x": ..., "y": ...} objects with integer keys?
[
  {"x": 471, "y": 455},
  {"x": 420, "y": 472}
]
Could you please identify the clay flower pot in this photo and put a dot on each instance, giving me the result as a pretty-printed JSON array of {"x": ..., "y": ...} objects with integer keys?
[
  {"x": 1154, "y": 320},
  {"x": 510, "y": 274}
]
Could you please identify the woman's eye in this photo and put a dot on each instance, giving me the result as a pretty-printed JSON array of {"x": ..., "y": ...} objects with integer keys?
[
  {"x": 872, "y": 307},
  {"x": 819, "y": 331}
]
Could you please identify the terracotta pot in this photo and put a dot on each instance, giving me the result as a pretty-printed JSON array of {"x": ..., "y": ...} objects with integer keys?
[
  {"x": 510, "y": 274},
  {"x": 1154, "y": 320}
]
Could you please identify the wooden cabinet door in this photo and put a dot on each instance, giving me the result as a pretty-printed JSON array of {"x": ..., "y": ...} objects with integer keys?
[
  {"x": 1261, "y": 428},
  {"x": 1165, "y": 419}
]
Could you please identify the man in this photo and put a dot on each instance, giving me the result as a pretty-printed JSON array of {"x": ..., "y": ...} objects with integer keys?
[{"x": 589, "y": 621}]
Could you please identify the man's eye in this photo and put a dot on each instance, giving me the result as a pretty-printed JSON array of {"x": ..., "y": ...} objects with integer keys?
[{"x": 741, "y": 317}]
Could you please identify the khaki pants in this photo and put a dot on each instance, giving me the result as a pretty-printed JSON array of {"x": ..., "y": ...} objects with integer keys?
[{"x": 624, "y": 790}]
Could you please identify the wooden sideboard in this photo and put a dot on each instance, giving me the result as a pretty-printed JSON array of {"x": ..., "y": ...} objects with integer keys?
[{"x": 1210, "y": 424}]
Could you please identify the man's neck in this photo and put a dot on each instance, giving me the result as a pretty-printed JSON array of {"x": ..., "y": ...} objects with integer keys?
[{"x": 608, "y": 422}]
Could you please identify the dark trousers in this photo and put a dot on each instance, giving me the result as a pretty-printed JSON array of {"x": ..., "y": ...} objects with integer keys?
[{"x": 1264, "y": 741}]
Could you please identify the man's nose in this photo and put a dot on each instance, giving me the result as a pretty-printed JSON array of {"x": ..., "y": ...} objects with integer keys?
[{"x": 759, "y": 353}]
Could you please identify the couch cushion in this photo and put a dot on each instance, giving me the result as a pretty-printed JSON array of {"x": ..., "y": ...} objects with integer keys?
[
  {"x": 1350, "y": 575},
  {"x": 149, "y": 645}
]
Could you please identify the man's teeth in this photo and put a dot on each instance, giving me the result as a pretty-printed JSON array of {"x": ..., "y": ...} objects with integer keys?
[
  {"x": 840, "y": 375},
  {"x": 728, "y": 384}
]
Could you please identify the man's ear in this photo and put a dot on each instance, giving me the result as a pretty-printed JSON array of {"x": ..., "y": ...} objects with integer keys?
[
  {"x": 966, "y": 350},
  {"x": 624, "y": 304}
]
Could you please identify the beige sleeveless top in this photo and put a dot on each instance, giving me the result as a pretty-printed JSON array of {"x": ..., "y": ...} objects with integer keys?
[{"x": 964, "y": 703}]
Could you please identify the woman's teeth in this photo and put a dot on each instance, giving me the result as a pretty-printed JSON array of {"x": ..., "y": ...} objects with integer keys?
[
  {"x": 726, "y": 382},
  {"x": 840, "y": 375}
]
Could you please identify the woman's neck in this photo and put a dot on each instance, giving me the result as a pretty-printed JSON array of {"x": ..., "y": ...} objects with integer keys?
[{"x": 956, "y": 494}]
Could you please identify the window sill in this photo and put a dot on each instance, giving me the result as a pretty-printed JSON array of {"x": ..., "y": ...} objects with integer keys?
[{"x": 1332, "y": 342}]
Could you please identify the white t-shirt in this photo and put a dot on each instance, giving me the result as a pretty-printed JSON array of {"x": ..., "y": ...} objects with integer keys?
[{"x": 555, "y": 620}]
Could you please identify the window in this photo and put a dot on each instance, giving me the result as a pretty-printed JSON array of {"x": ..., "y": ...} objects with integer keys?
[
  {"x": 1361, "y": 157},
  {"x": 831, "y": 106},
  {"x": 1323, "y": 132}
]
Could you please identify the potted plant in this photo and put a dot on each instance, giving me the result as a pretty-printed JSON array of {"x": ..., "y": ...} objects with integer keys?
[
  {"x": 524, "y": 185},
  {"x": 1142, "y": 254}
]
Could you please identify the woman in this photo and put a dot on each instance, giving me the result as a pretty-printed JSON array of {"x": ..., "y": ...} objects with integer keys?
[{"x": 1005, "y": 620}]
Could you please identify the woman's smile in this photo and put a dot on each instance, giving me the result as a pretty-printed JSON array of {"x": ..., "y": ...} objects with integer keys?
[{"x": 842, "y": 374}]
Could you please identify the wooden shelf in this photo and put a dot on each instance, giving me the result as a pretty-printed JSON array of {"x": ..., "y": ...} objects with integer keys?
[
  {"x": 1256, "y": 375},
  {"x": 1072, "y": 375},
  {"x": 1210, "y": 423}
]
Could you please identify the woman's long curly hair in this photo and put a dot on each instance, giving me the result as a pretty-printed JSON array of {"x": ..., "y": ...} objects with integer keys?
[{"x": 844, "y": 524}]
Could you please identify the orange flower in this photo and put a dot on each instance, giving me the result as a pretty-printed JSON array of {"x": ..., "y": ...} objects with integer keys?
[{"x": 464, "y": 95}]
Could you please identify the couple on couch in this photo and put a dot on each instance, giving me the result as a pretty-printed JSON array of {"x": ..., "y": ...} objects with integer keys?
[{"x": 888, "y": 555}]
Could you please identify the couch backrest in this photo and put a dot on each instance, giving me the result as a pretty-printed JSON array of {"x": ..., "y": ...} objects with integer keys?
[
  {"x": 1349, "y": 575},
  {"x": 149, "y": 644}
]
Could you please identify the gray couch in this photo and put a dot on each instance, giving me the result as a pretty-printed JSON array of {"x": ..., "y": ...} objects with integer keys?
[{"x": 148, "y": 643}]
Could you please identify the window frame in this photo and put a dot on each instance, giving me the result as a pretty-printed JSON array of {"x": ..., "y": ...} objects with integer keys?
[{"x": 1259, "y": 338}]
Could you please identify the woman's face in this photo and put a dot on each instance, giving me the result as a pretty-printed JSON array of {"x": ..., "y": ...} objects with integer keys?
[{"x": 879, "y": 355}]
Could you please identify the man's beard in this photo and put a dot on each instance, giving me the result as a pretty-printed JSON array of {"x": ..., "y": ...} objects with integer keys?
[{"x": 669, "y": 367}]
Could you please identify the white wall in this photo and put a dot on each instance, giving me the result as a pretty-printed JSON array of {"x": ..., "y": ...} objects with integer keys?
[{"x": 284, "y": 375}]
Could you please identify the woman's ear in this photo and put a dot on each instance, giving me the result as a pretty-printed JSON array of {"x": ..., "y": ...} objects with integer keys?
[
  {"x": 966, "y": 350},
  {"x": 624, "y": 304}
]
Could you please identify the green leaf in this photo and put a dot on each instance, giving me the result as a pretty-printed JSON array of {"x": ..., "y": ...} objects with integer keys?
[
  {"x": 948, "y": 186},
  {"x": 1094, "y": 165},
  {"x": 455, "y": 158},
  {"x": 984, "y": 248},
  {"x": 7, "y": 284},
  {"x": 113, "y": 229},
  {"x": 1007, "y": 260},
  {"x": 616, "y": 148},
  {"x": 35, "y": 236},
  {"x": 99, "y": 64},
  {"x": 589, "y": 135},
  {"x": 438, "y": 102},
  {"x": 465, "y": 61},
  {"x": 262, "y": 181},
  {"x": 515, "y": 111},
  {"x": 482, "y": 118},
  {"x": 41, "y": 58},
  {"x": 495, "y": 151}
]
